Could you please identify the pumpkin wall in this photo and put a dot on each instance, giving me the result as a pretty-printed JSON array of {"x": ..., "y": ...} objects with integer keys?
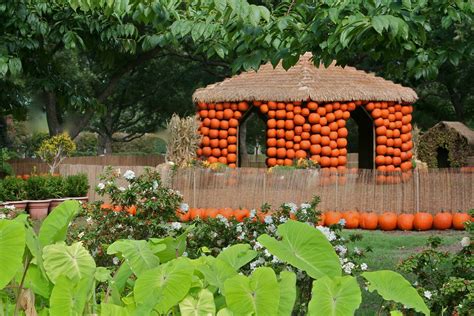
[{"x": 313, "y": 130}]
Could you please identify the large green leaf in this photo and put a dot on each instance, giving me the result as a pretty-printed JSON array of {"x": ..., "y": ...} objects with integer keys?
[
  {"x": 174, "y": 247},
  {"x": 68, "y": 298},
  {"x": 37, "y": 282},
  {"x": 237, "y": 255},
  {"x": 258, "y": 294},
  {"x": 394, "y": 287},
  {"x": 287, "y": 293},
  {"x": 165, "y": 286},
  {"x": 337, "y": 296},
  {"x": 12, "y": 247},
  {"x": 54, "y": 227},
  {"x": 113, "y": 310},
  {"x": 215, "y": 271},
  {"x": 119, "y": 282},
  {"x": 304, "y": 247},
  {"x": 202, "y": 305},
  {"x": 137, "y": 254},
  {"x": 73, "y": 261}
]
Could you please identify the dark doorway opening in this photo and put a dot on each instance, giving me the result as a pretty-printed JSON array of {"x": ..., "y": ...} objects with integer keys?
[
  {"x": 252, "y": 139},
  {"x": 443, "y": 158},
  {"x": 361, "y": 137}
]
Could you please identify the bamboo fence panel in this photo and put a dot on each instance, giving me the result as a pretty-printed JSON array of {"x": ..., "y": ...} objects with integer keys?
[{"x": 430, "y": 190}]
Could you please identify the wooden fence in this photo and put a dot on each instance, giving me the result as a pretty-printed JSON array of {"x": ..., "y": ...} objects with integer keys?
[
  {"x": 432, "y": 190},
  {"x": 28, "y": 165}
]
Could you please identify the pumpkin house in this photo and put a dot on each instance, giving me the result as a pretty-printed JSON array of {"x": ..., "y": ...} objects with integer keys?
[
  {"x": 306, "y": 109},
  {"x": 447, "y": 145}
]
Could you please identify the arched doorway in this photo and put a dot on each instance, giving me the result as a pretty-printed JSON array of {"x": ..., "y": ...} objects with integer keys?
[
  {"x": 361, "y": 137},
  {"x": 252, "y": 139},
  {"x": 442, "y": 157}
]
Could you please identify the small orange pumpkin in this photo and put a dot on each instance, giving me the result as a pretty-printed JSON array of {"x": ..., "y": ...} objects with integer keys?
[
  {"x": 227, "y": 212},
  {"x": 459, "y": 219},
  {"x": 322, "y": 217},
  {"x": 369, "y": 220},
  {"x": 423, "y": 221},
  {"x": 212, "y": 212},
  {"x": 332, "y": 217},
  {"x": 352, "y": 219},
  {"x": 443, "y": 221},
  {"x": 405, "y": 221},
  {"x": 241, "y": 214},
  {"x": 195, "y": 213},
  {"x": 388, "y": 221},
  {"x": 132, "y": 210}
]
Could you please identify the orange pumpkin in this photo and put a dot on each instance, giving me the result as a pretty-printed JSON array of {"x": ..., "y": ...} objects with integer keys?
[
  {"x": 132, "y": 210},
  {"x": 352, "y": 219},
  {"x": 183, "y": 217},
  {"x": 195, "y": 213},
  {"x": 369, "y": 220},
  {"x": 443, "y": 221},
  {"x": 332, "y": 217},
  {"x": 423, "y": 221},
  {"x": 459, "y": 219},
  {"x": 241, "y": 214},
  {"x": 322, "y": 217},
  {"x": 211, "y": 212},
  {"x": 405, "y": 221},
  {"x": 227, "y": 212},
  {"x": 388, "y": 221}
]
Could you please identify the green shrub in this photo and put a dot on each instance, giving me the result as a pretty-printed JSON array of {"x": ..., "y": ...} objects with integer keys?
[
  {"x": 55, "y": 149},
  {"x": 86, "y": 144},
  {"x": 76, "y": 185},
  {"x": 5, "y": 168},
  {"x": 37, "y": 188},
  {"x": 56, "y": 186},
  {"x": 12, "y": 189}
]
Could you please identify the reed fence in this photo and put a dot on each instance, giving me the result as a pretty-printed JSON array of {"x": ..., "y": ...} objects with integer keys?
[{"x": 432, "y": 190}]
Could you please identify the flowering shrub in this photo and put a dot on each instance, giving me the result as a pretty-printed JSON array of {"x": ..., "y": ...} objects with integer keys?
[
  {"x": 55, "y": 149},
  {"x": 445, "y": 279},
  {"x": 140, "y": 207}
]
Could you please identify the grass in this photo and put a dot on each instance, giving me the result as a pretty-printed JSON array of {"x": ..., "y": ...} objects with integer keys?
[{"x": 390, "y": 248}]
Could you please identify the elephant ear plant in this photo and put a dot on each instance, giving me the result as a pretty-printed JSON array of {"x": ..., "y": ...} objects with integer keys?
[{"x": 42, "y": 274}]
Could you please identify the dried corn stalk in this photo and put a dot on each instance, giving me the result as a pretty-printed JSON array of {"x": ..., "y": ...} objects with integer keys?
[
  {"x": 415, "y": 136},
  {"x": 183, "y": 141}
]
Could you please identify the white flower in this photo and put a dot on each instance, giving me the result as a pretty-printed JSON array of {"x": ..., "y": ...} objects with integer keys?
[
  {"x": 2, "y": 216},
  {"x": 427, "y": 294},
  {"x": 341, "y": 250},
  {"x": 283, "y": 219},
  {"x": 267, "y": 253},
  {"x": 357, "y": 251},
  {"x": 292, "y": 206},
  {"x": 185, "y": 254},
  {"x": 363, "y": 266},
  {"x": 238, "y": 228},
  {"x": 10, "y": 207},
  {"x": 81, "y": 234},
  {"x": 275, "y": 260},
  {"x": 268, "y": 220},
  {"x": 129, "y": 175},
  {"x": 101, "y": 186},
  {"x": 253, "y": 213},
  {"x": 122, "y": 189},
  {"x": 170, "y": 163},
  {"x": 465, "y": 242},
  {"x": 89, "y": 220},
  {"x": 330, "y": 235},
  {"x": 257, "y": 246},
  {"x": 184, "y": 207},
  {"x": 348, "y": 267},
  {"x": 271, "y": 228},
  {"x": 155, "y": 185},
  {"x": 176, "y": 225},
  {"x": 214, "y": 235},
  {"x": 342, "y": 222},
  {"x": 305, "y": 206},
  {"x": 119, "y": 226},
  {"x": 116, "y": 260}
]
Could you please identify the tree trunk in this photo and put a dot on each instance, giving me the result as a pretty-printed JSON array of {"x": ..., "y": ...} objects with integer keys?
[
  {"x": 4, "y": 139},
  {"x": 52, "y": 114},
  {"x": 105, "y": 144}
]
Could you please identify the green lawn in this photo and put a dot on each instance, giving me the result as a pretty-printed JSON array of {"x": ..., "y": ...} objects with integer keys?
[{"x": 389, "y": 248}]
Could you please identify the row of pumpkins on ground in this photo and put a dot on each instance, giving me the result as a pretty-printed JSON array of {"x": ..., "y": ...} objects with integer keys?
[{"x": 352, "y": 219}]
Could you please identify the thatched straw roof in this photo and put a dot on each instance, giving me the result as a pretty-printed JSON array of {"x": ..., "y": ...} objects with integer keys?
[
  {"x": 461, "y": 129},
  {"x": 302, "y": 82}
]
